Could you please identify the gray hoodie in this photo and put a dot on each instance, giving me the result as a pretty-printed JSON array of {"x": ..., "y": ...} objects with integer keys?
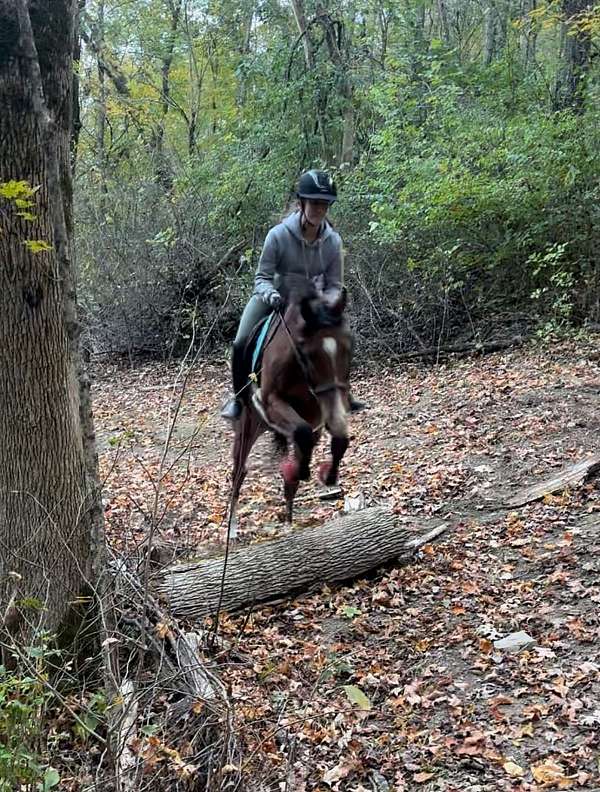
[{"x": 287, "y": 252}]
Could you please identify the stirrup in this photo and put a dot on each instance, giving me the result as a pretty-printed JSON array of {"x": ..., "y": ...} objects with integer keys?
[{"x": 232, "y": 410}]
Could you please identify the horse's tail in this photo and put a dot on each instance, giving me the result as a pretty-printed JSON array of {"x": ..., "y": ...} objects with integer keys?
[{"x": 280, "y": 444}]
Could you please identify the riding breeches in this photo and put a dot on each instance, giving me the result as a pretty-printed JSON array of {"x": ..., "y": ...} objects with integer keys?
[{"x": 254, "y": 311}]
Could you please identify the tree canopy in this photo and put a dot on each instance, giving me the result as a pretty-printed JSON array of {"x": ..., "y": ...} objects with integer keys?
[{"x": 463, "y": 135}]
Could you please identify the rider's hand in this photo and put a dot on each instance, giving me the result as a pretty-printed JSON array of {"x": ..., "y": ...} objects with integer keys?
[{"x": 274, "y": 300}]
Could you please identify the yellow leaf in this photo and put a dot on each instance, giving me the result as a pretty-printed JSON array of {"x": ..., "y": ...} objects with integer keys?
[
  {"x": 420, "y": 778},
  {"x": 162, "y": 630},
  {"x": 513, "y": 769},
  {"x": 36, "y": 245},
  {"x": 550, "y": 773},
  {"x": 357, "y": 697}
]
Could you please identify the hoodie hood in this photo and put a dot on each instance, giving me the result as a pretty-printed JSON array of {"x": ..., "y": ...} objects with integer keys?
[{"x": 294, "y": 226}]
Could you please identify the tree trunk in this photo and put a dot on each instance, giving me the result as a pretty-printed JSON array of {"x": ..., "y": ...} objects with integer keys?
[
  {"x": 443, "y": 21},
  {"x": 528, "y": 35},
  {"x": 490, "y": 48},
  {"x": 300, "y": 17},
  {"x": 48, "y": 501},
  {"x": 345, "y": 88},
  {"x": 163, "y": 168},
  {"x": 571, "y": 80},
  {"x": 309, "y": 61},
  {"x": 339, "y": 550},
  {"x": 101, "y": 102}
]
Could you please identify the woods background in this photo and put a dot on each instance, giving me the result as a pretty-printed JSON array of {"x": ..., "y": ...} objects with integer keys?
[{"x": 463, "y": 135}]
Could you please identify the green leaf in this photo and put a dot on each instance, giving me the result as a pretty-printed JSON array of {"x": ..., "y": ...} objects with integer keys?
[
  {"x": 349, "y": 611},
  {"x": 36, "y": 245},
  {"x": 51, "y": 779},
  {"x": 13, "y": 190},
  {"x": 357, "y": 697}
]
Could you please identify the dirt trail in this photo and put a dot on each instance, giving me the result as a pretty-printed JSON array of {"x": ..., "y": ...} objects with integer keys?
[{"x": 447, "y": 709}]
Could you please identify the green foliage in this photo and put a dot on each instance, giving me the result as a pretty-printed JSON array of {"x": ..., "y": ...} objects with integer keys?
[
  {"x": 462, "y": 172},
  {"x": 24, "y": 704},
  {"x": 357, "y": 697},
  {"x": 37, "y": 245},
  {"x": 33, "y": 694},
  {"x": 19, "y": 194}
]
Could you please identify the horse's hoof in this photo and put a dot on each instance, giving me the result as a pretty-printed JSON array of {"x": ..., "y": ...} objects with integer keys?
[
  {"x": 289, "y": 470},
  {"x": 326, "y": 476}
]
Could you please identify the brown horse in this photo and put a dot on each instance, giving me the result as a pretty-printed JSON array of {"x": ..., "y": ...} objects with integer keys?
[{"x": 303, "y": 388}]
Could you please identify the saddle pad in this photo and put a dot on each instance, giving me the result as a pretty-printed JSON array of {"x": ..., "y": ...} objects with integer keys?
[{"x": 258, "y": 346}]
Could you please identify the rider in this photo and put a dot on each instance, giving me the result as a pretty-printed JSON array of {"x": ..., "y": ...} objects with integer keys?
[{"x": 303, "y": 244}]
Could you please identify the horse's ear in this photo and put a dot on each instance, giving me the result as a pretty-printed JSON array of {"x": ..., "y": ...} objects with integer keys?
[{"x": 339, "y": 306}]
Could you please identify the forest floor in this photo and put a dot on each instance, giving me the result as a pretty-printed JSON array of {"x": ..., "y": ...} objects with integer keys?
[{"x": 394, "y": 682}]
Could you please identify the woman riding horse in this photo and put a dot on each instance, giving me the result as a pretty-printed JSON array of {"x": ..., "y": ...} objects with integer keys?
[
  {"x": 301, "y": 388},
  {"x": 304, "y": 244}
]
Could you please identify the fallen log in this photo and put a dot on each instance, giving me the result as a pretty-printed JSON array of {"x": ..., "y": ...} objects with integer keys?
[
  {"x": 568, "y": 477},
  {"x": 342, "y": 549},
  {"x": 473, "y": 347}
]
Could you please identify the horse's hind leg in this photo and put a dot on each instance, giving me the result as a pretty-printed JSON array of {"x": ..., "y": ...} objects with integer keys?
[{"x": 247, "y": 430}]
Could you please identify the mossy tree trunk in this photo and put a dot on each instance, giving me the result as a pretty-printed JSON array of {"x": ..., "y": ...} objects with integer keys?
[{"x": 49, "y": 504}]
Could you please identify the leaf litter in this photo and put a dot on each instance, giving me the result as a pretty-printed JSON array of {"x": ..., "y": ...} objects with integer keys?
[{"x": 394, "y": 682}]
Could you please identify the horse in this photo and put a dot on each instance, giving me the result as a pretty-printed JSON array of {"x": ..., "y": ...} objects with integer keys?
[{"x": 303, "y": 388}]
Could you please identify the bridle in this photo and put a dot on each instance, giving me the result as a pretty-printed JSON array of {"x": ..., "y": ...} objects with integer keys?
[{"x": 306, "y": 365}]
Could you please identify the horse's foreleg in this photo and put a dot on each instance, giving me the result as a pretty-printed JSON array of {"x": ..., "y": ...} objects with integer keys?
[
  {"x": 337, "y": 426},
  {"x": 247, "y": 429},
  {"x": 299, "y": 433}
]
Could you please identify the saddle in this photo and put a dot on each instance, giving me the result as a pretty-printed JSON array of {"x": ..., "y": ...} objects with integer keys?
[{"x": 256, "y": 346}]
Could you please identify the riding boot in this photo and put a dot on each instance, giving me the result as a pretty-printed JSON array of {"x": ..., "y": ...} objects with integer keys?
[
  {"x": 233, "y": 409},
  {"x": 355, "y": 405}
]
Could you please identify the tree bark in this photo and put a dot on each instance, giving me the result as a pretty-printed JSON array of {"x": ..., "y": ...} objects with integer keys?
[
  {"x": 339, "y": 550},
  {"x": 48, "y": 501},
  {"x": 346, "y": 91},
  {"x": 101, "y": 159},
  {"x": 163, "y": 168},
  {"x": 309, "y": 61},
  {"x": 528, "y": 34},
  {"x": 571, "y": 80}
]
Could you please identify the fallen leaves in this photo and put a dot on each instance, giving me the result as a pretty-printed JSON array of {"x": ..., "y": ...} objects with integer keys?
[
  {"x": 513, "y": 769},
  {"x": 392, "y": 672},
  {"x": 551, "y": 774}
]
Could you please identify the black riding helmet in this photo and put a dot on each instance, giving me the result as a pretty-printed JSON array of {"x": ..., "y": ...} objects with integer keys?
[{"x": 317, "y": 185}]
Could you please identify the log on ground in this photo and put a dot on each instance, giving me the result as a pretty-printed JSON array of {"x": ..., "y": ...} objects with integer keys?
[
  {"x": 569, "y": 477},
  {"x": 339, "y": 550}
]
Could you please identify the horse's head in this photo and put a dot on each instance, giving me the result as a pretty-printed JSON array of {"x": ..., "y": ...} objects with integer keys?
[
  {"x": 320, "y": 313},
  {"x": 325, "y": 344}
]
